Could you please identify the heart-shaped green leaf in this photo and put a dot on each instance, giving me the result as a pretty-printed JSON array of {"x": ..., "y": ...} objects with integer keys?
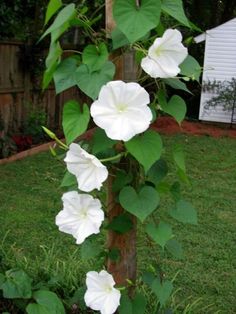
[
  {"x": 140, "y": 204},
  {"x": 64, "y": 76},
  {"x": 17, "y": 285},
  {"x": 47, "y": 302},
  {"x": 135, "y": 306},
  {"x": 175, "y": 248},
  {"x": 63, "y": 18},
  {"x": 95, "y": 56},
  {"x": 184, "y": 212},
  {"x": 158, "y": 171},
  {"x": 52, "y": 8},
  {"x": 177, "y": 84},
  {"x": 176, "y": 107},
  {"x": 75, "y": 120},
  {"x": 136, "y": 21},
  {"x": 146, "y": 148},
  {"x": 191, "y": 68},
  {"x": 100, "y": 141},
  {"x": 91, "y": 83},
  {"x": 161, "y": 234},
  {"x": 162, "y": 290},
  {"x": 121, "y": 224},
  {"x": 176, "y": 10}
]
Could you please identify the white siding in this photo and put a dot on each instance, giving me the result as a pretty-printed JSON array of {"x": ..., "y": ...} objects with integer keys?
[{"x": 220, "y": 65}]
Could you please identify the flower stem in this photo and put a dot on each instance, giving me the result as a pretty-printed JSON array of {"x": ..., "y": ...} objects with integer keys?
[{"x": 113, "y": 157}]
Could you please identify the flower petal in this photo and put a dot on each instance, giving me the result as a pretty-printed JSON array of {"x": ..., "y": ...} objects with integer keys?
[
  {"x": 117, "y": 108},
  {"x": 81, "y": 215}
]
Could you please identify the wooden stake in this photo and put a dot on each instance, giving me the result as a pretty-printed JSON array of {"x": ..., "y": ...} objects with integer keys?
[{"x": 126, "y": 267}]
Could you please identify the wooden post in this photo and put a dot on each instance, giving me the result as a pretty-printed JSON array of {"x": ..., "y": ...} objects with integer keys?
[{"x": 126, "y": 267}]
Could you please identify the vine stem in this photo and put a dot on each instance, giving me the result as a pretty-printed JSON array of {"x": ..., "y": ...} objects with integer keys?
[{"x": 113, "y": 157}]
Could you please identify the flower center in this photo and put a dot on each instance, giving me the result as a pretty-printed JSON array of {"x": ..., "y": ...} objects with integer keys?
[
  {"x": 83, "y": 213},
  {"x": 158, "y": 51},
  {"x": 121, "y": 108},
  {"x": 108, "y": 289}
]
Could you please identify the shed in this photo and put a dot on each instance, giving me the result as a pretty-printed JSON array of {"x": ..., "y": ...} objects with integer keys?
[{"x": 219, "y": 68}]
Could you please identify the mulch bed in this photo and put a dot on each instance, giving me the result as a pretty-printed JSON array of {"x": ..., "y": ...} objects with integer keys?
[
  {"x": 164, "y": 125},
  {"x": 169, "y": 126}
]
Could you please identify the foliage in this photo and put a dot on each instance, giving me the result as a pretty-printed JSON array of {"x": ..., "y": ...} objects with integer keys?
[
  {"x": 16, "y": 284},
  {"x": 135, "y": 151},
  {"x": 225, "y": 94},
  {"x": 7, "y": 145},
  {"x": 33, "y": 124}
]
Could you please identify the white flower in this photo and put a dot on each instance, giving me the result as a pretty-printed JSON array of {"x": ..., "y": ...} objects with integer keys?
[
  {"x": 89, "y": 171},
  {"x": 101, "y": 294},
  {"x": 121, "y": 110},
  {"x": 81, "y": 215},
  {"x": 165, "y": 55}
]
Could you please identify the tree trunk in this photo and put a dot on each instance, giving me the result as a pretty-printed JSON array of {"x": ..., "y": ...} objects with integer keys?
[{"x": 125, "y": 268}]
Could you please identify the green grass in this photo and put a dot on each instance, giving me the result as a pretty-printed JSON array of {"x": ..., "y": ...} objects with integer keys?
[{"x": 30, "y": 199}]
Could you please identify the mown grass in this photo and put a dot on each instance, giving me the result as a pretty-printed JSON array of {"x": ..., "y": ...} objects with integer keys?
[{"x": 30, "y": 199}]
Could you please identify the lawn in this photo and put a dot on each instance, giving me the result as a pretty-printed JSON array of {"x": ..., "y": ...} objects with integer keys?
[{"x": 30, "y": 198}]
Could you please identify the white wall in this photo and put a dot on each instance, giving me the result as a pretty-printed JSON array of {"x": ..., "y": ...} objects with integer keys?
[{"x": 220, "y": 65}]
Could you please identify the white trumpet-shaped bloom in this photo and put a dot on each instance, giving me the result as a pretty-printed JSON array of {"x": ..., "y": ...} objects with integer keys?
[
  {"x": 89, "y": 171},
  {"x": 165, "y": 55},
  {"x": 81, "y": 215},
  {"x": 101, "y": 294},
  {"x": 122, "y": 110}
]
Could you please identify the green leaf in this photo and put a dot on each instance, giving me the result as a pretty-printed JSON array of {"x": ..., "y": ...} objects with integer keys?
[
  {"x": 140, "y": 204},
  {"x": 48, "y": 303},
  {"x": 177, "y": 84},
  {"x": 59, "y": 31},
  {"x": 125, "y": 305},
  {"x": 52, "y": 61},
  {"x": 64, "y": 76},
  {"x": 95, "y": 56},
  {"x": 184, "y": 212},
  {"x": 157, "y": 172},
  {"x": 90, "y": 249},
  {"x": 176, "y": 10},
  {"x": 139, "y": 304},
  {"x": 178, "y": 156},
  {"x": 191, "y": 68},
  {"x": 64, "y": 16},
  {"x": 91, "y": 83},
  {"x": 135, "y": 306},
  {"x": 176, "y": 107},
  {"x": 114, "y": 254},
  {"x": 118, "y": 39},
  {"x": 175, "y": 248},
  {"x": 121, "y": 179},
  {"x": 121, "y": 224},
  {"x": 146, "y": 148},
  {"x": 52, "y": 8},
  {"x": 135, "y": 21},
  {"x": 54, "y": 54},
  {"x": 162, "y": 290},
  {"x": 17, "y": 285},
  {"x": 175, "y": 190},
  {"x": 161, "y": 234},
  {"x": 68, "y": 180},
  {"x": 101, "y": 142},
  {"x": 74, "y": 121},
  {"x": 34, "y": 308},
  {"x": 148, "y": 278}
]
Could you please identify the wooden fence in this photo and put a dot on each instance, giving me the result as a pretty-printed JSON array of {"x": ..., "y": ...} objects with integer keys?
[{"x": 19, "y": 95}]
